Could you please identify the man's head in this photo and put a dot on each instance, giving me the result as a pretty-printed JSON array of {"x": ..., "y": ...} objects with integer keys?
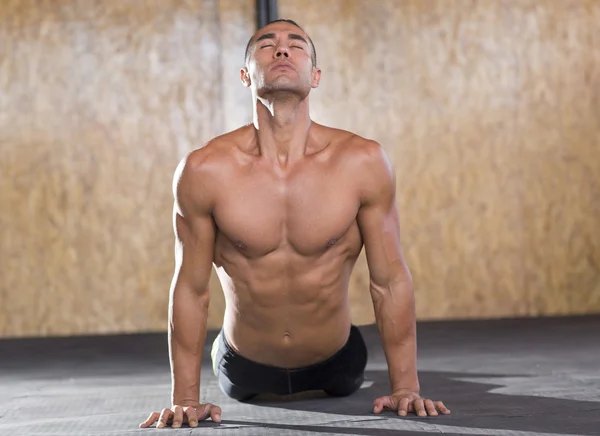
[
  {"x": 293, "y": 23},
  {"x": 280, "y": 57}
]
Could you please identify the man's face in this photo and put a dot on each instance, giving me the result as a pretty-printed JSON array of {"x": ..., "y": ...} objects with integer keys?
[{"x": 280, "y": 60}]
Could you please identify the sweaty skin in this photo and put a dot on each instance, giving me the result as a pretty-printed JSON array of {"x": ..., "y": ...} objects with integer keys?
[
  {"x": 286, "y": 241},
  {"x": 281, "y": 208}
]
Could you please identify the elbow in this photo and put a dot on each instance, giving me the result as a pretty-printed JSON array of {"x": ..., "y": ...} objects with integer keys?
[
  {"x": 204, "y": 300},
  {"x": 401, "y": 274},
  {"x": 388, "y": 289},
  {"x": 379, "y": 289},
  {"x": 384, "y": 285},
  {"x": 381, "y": 294}
]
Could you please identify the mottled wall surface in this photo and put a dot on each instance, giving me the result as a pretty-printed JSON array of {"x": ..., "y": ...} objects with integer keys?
[
  {"x": 99, "y": 100},
  {"x": 490, "y": 112},
  {"x": 488, "y": 109}
]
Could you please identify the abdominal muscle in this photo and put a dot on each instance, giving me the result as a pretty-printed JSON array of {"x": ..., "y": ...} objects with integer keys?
[{"x": 288, "y": 320}]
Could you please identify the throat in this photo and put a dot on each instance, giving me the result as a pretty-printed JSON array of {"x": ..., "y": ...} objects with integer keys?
[{"x": 282, "y": 135}]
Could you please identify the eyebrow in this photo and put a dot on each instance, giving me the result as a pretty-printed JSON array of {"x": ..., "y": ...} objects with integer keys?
[{"x": 273, "y": 36}]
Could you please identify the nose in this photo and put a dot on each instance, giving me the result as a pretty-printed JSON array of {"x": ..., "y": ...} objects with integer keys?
[{"x": 282, "y": 51}]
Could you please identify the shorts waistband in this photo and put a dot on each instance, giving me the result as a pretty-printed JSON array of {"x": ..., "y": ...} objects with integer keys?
[{"x": 352, "y": 334}]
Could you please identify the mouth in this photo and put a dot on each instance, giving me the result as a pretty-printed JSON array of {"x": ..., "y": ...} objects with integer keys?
[{"x": 282, "y": 66}]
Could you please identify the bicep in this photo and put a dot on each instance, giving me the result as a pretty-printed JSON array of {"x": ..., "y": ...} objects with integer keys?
[
  {"x": 379, "y": 223},
  {"x": 194, "y": 248},
  {"x": 194, "y": 230},
  {"x": 379, "y": 226}
]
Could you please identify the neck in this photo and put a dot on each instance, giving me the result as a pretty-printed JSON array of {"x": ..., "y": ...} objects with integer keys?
[{"x": 282, "y": 126}]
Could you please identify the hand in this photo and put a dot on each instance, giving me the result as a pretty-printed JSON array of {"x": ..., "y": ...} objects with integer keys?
[
  {"x": 405, "y": 401},
  {"x": 183, "y": 414}
]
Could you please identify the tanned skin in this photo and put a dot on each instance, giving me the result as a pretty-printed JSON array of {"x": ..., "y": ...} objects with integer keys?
[{"x": 282, "y": 208}]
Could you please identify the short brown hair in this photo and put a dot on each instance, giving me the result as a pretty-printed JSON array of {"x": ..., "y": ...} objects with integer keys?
[{"x": 312, "y": 46}]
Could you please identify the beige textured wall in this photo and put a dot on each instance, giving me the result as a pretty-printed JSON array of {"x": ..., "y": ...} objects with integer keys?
[
  {"x": 100, "y": 100},
  {"x": 488, "y": 109}
]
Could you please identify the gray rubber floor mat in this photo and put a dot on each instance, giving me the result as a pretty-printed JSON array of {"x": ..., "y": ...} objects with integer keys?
[{"x": 510, "y": 377}]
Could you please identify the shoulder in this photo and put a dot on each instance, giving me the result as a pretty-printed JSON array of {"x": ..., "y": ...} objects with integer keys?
[
  {"x": 357, "y": 148},
  {"x": 197, "y": 174},
  {"x": 363, "y": 154},
  {"x": 214, "y": 157},
  {"x": 370, "y": 154},
  {"x": 369, "y": 164}
]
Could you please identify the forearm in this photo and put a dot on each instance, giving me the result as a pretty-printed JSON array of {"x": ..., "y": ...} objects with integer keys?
[
  {"x": 395, "y": 314},
  {"x": 188, "y": 315}
]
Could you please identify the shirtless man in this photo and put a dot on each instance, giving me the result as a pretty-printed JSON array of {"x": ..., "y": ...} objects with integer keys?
[{"x": 282, "y": 208}]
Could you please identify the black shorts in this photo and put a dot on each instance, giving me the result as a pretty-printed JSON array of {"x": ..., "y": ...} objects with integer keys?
[{"x": 242, "y": 379}]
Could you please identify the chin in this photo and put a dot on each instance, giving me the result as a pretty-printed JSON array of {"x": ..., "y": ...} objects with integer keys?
[{"x": 285, "y": 87}]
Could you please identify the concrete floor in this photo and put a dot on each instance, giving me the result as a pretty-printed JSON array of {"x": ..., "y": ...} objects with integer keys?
[{"x": 509, "y": 377}]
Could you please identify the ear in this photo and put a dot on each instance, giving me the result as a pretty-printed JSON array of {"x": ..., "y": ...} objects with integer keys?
[
  {"x": 316, "y": 77},
  {"x": 245, "y": 77}
]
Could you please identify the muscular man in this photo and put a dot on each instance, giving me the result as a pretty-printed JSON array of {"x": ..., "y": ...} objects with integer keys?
[{"x": 282, "y": 208}]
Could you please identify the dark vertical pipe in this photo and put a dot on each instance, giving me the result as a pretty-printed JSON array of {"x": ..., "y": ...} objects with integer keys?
[
  {"x": 266, "y": 11},
  {"x": 262, "y": 13},
  {"x": 273, "y": 14}
]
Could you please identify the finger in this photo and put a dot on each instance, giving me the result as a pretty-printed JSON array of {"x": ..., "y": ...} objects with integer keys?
[
  {"x": 215, "y": 413},
  {"x": 440, "y": 406},
  {"x": 165, "y": 416},
  {"x": 382, "y": 403},
  {"x": 378, "y": 405},
  {"x": 151, "y": 420},
  {"x": 419, "y": 407},
  {"x": 430, "y": 407},
  {"x": 204, "y": 411},
  {"x": 192, "y": 417},
  {"x": 177, "y": 416},
  {"x": 403, "y": 406}
]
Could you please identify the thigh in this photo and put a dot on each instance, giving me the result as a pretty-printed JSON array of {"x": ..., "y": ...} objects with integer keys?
[
  {"x": 342, "y": 385},
  {"x": 348, "y": 371},
  {"x": 241, "y": 378},
  {"x": 341, "y": 374},
  {"x": 218, "y": 353},
  {"x": 352, "y": 359}
]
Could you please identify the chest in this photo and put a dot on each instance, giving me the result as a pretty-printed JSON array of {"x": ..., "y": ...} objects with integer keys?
[{"x": 308, "y": 213}]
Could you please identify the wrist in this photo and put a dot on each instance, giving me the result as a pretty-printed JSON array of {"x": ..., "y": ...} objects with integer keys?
[
  {"x": 185, "y": 391},
  {"x": 405, "y": 390},
  {"x": 185, "y": 402},
  {"x": 406, "y": 380},
  {"x": 406, "y": 385}
]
